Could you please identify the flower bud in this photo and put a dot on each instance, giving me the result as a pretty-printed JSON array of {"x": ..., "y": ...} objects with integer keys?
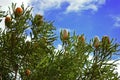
[
  {"x": 65, "y": 34},
  {"x": 27, "y": 72},
  {"x": 96, "y": 42},
  {"x": 38, "y": 20},
  {"x": 105, "y": 40},
  {"x": 7, "y": 21},
  {"x": 81, "y": 38},
  {"x": 18, "y": 11}
]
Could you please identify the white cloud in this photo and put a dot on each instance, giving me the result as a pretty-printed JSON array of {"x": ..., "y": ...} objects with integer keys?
[
  {"x": 74, "y": 5},
  {"x": 116, "y": 20},
  {"x": 80, "y": 5},
  {"x": 117, "y": 67},
  {"x": 110, "y": 61},
  {"x": 90, "y": 57},
  {"x": 43, "y": 5},
  {"x": 58, "y": 48},
  {"x": 5, "y": 3},
  {"x": 2, "y": 24}
]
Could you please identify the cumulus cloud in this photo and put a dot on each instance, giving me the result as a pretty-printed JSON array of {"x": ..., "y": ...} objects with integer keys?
[
  {"x": 43, "y": 5},
  {"x": 116, "y": 20},
  {"x": 117, "y": 67},
  {"x": 80, "y": 5},
  {"x": 117, "y": 63},
  {"x": 58, "y": 48},
  {"x": 74, "y": 5},
  {"x": 5, "y": 3}
]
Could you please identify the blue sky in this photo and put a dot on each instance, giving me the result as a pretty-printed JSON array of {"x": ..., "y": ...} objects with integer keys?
[
  {"x": 102, "y": 18},
  {"x": 88, "y": 17}
]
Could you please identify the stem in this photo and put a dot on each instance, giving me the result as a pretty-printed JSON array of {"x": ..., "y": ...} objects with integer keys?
[
  {"x": 15, "y": 74},
  {"x": 0, "y": 76}
]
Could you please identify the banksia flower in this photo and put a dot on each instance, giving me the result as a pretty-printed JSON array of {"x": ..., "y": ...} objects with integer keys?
[
  {"x": 96, "y": 42},
  {"x": 7, "y": 21},
  {"x": 64, "y": 35},
  {"x": 38, "y": 20},
  {"x": 105, "y": 40},
  {"x": 18, "y": 11},
  {"x": 81, "y": 38},
  {"x": 27, "y": 72}
]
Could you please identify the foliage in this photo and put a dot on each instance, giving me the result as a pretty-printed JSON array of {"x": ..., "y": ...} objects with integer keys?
[
  {"x": 36, "y": 59},
  {"x": 1, "y": 14}
]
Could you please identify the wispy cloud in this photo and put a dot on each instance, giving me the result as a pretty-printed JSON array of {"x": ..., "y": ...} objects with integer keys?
[
  {"x": 43, "y": 5},
  {"x": 81, "y": 5},
  {"x": 116, "y": 20},
  {"x": 74, "y": 5}
]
